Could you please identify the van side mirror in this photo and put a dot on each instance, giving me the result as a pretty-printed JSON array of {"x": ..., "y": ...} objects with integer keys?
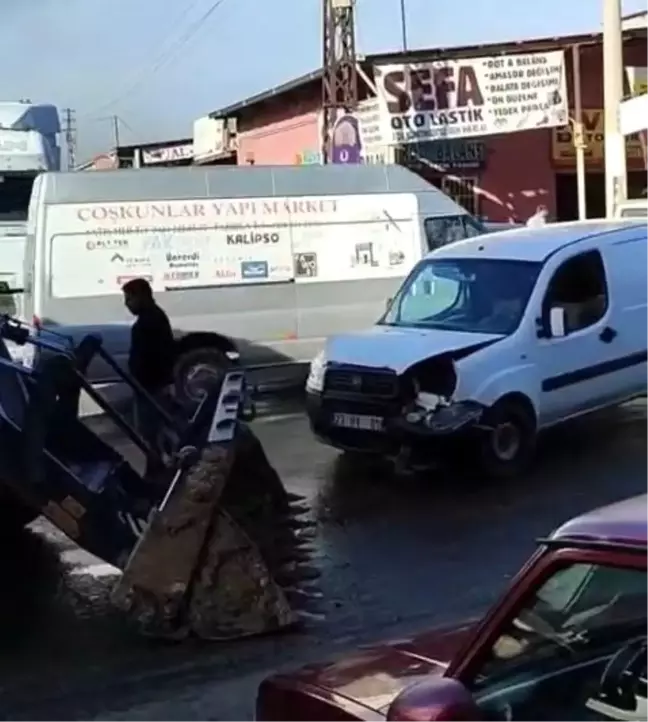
[
  {"x": 551, "y": 324},
  {"x": 557, "y": 322}
]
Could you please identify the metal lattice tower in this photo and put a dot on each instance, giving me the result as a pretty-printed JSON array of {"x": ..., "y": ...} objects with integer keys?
[
  {"x": 69, "y": 130},
  {"x": 340, "y": 79}
]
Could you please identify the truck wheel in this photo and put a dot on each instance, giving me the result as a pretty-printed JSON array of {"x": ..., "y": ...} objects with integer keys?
[
  {"x": 14, "y": 514},
  {"x": 507, "y": 448},
  {"x": 196, "y": 372}
]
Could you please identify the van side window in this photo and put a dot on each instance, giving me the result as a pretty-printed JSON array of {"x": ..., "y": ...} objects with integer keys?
[
  {"x": 446, "y": 229},
  {"x": 579, "y": 287}
]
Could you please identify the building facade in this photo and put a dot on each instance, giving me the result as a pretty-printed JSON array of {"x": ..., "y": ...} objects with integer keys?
[{"x": 499, "y": 178}]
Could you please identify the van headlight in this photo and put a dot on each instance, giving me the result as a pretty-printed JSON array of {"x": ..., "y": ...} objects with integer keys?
[{"x": 315, "y": 380}]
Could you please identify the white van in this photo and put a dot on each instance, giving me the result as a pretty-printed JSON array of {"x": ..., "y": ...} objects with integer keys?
[
  {"x": 260, "y": 261},
  {"x": 489, "y": 341},
  {"x": 632, "y": 208}
]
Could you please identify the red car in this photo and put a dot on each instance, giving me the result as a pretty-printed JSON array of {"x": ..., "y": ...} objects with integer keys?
[{"x": 566, "y": 642}]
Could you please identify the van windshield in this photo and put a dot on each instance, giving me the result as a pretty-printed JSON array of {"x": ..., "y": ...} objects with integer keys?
[
  {"x": 15, "y": 192},
  {"x": 476, "y": 295},
  {"x": 445, "y": 229}
]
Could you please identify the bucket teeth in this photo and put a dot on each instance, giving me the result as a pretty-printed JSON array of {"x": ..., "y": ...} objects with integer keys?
[
  {"x": 305, "y": 616},
  {"x": 304, "y": 591},
  {"x": 285, "y": 557},
  {"x": 306, "y": 534},
  {"x": 287, "y": 543},
  {"x": 311, "y": 588},
  {"x": 303, "y": 602},
  {"x": 304, "y": 547},
  {"x": 294, "y": 498},
  {"x": 300, "y": 524},
  {"x": 299, "y": 508},
  {"x": 294, "y": 574}
]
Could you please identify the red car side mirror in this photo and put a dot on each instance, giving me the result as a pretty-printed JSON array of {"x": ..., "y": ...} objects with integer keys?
[{"x": 440, "y": 698}]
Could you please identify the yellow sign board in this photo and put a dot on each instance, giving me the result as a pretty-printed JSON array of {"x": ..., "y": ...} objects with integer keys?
[{"x": 562, "y": 142}]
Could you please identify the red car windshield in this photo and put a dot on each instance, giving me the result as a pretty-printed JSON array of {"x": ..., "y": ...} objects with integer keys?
[{"x": 551, "y": 660}]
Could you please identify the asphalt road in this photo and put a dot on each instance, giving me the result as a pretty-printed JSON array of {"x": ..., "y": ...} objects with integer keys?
[{"x": 397, "y": 556}]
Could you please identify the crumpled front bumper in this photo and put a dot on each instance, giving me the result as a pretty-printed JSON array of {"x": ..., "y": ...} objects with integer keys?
[
  {"x": 427, "y": 439},
  {"x": 444, "y": 420}
]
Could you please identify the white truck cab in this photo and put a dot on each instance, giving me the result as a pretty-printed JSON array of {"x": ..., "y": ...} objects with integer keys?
[{"x": 487, "y": 342}]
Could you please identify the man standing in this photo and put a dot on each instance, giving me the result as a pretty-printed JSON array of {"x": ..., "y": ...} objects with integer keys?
[
  {"x": 152, "y": 355},
  {"x": 539, "y": 218}
]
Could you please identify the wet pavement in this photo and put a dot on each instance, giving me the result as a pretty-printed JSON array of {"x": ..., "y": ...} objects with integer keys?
[{"x": 397, "y": 556}]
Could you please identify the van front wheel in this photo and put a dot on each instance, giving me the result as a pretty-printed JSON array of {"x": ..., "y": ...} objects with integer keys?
[{"x": 507, "y": 444}]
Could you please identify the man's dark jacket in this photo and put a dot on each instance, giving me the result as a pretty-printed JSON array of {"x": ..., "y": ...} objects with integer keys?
[{"x": 153, "y": 349}]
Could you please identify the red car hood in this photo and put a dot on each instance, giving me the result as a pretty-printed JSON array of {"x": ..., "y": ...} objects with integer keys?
[{"x": 375, "y": 675}]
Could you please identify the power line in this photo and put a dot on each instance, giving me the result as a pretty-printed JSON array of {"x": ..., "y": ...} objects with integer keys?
[
  {"x": 117, "y": 122},
  {"x": 166, "y": 56},
  {"x": 146, "y": 66}
]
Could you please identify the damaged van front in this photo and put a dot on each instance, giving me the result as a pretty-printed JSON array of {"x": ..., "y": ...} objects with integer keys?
[{"x": 443, "y": 376}]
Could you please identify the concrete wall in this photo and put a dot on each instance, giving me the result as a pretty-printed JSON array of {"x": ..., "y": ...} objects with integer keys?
[{"x": 283, "y": 134}]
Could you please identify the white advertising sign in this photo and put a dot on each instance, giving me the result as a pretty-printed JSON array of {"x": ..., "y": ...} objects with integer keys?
[
  {"x": 474, "y": 97},
  {"x": 633, "y": 116},
  {"x": 209, "y": 138},
  {"x": 98, "y": 247},
  {"x": 376, "y": 149},
  {"x": 634, "y": 110},
  {"x": 167, "y": 154},
  {"x": 379, "y": 239}
]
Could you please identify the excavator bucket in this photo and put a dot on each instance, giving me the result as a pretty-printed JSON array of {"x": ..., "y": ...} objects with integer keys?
[
  {"x": 223, "y": 556},
  {"x": 210, "y": 544}
]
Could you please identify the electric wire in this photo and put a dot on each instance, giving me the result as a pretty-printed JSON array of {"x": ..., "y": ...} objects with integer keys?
[
  {"x": 163, "y": 58},
  {"x": 147, "y": 66}
]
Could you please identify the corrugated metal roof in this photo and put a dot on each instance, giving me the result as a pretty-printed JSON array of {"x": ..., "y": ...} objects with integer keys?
[
  {"x": 635, "y": 21},
  {"x": 230, "y": 182},
  {"x": 276, "y": 91}
]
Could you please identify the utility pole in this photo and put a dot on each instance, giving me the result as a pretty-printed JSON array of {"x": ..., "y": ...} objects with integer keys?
[
  {"x": 403, "y": 12},
  {"x": 615, "y": 147},
  {"x": 579, "y": 138},
  {"x": 340, "y": 79},
  {"x": 69, "y": 130},
  {"x": 115, "y": 121}
]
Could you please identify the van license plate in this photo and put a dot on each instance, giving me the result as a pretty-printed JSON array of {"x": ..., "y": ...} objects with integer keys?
[{"x": 357, "y": 421}]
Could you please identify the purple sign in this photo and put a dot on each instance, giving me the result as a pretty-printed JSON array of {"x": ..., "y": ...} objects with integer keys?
[{"x": 346, "y": 146}]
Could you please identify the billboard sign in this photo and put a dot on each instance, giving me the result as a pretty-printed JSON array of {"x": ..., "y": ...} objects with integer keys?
[{"x": 469, "y": 98}]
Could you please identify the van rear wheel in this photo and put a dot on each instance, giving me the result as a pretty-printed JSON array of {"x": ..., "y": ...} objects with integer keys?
[
  {"x": 507, "y": 447},
  {"x": 197, "y": 372}
]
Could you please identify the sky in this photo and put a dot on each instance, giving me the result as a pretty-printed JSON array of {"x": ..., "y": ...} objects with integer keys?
[{"x": 159, "y": 65}]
